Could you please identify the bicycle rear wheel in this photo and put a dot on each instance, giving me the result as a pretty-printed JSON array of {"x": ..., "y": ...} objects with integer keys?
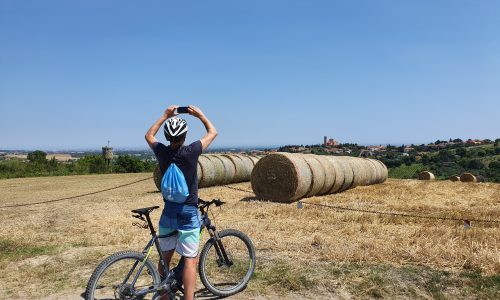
[
  {"x": 114, "y": 277},
  {"x": 227, "y": 277}
]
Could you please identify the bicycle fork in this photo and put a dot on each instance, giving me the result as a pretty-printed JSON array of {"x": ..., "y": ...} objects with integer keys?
[{"x": 223, "y": 258}]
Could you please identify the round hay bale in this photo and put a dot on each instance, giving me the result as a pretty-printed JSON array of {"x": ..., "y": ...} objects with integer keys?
[
  {"x": 426, "y": 175},
  {"x": 198, "y": 172},
  {"x": 348, "y": 172},
  {"x": 467, "y": 177},
  {"x": 157, "y": 177},
  {"x": 254, "y": 159},
  {"x": 329, "y": 174},
  {"x": 455, "y": 178},
  {"x": 208, "y": 176},
  {"x": 218, "y": 170},
  {"x": 239, "y": 166},
  {"x": 229, "y": 168},
  {"x": 318, "y": 174},
  {"x": 339, "y": 174},
  {"x": 480, "y": 178},
  {"x": 365, "y": 169},
  {"x": 374, "y": 171},
  {"x": 281, "y": 177},
  {"x": 247, "y": 166},
  {"x": 359, "y": 171},
  {"x": 385, "y": 172}
]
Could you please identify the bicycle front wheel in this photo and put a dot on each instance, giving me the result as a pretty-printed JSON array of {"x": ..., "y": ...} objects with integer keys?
[
  {"x": 123, "y": 275},
  {"x": 226, "y": 275}
]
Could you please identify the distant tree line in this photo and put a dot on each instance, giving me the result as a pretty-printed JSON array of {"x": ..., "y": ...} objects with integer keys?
[
  {"x": 443, "y": 158},
  {"x": 484, "y": 161},
  {"x": 39, "y": 165}
]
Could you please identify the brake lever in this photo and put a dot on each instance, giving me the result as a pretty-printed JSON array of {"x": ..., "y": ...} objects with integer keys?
[{"x": 218, "y": 202}]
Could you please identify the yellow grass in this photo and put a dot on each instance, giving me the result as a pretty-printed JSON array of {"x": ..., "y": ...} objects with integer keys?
[{"x": 62, "y": 242}]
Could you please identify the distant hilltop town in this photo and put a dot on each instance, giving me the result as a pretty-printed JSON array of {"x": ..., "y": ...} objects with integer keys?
[
  {"x": 444, "y": 158},
  {"x": 333, "y": 146}
]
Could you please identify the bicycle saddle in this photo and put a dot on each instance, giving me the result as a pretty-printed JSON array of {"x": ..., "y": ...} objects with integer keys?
[{"x": 145, "y": 210}]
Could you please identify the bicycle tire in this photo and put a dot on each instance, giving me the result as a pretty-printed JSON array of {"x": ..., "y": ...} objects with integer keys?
[
  {"x": 205, "y": 261},
  {"x": 133, "y": 256}
]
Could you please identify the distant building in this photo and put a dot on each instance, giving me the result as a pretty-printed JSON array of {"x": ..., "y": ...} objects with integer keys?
[
  {"x": 408, "y": 149},
  {"x": 329, "y": 142},
  {"x": 376, "y": 148},
  {"x": 366, "y": 153},
  {"x": 470, "y": 142}
]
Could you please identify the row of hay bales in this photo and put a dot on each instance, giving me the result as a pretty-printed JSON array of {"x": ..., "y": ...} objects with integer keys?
[
  {"x": 287, "y": 177},
  {"x": 465, "y": 177},
  {"x": 218, "y": 169}
]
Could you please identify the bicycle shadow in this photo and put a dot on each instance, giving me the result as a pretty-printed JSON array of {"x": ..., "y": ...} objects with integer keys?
[
  {"x": 199, "y": 294},
  {"x": 253, "y": 199},
  {"x": 206, "y": 295}
]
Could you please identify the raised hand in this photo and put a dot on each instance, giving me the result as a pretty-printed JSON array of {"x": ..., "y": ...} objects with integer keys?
[
  {"x": 195, "y": 111},
  {"x": 170, "y": 112}
]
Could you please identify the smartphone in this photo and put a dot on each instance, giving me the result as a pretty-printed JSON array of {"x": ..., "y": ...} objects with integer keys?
[{"x": 182, "y": 110}]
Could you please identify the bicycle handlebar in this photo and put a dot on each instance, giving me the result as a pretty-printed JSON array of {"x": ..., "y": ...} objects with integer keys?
[{"x": 205, "y": 204}]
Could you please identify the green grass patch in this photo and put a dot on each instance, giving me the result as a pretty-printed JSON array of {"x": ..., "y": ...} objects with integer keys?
[
  {"x": 406, "y": 172},
  {"x": 488, "y": 286},
  {"x": 282, "y": 276},
  {"x": 14, "y": 250},
  {"x": 375, "y": 281}
]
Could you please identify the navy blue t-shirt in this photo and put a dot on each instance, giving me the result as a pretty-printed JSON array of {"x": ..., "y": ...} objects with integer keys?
[{"x": 186, "y": 158}]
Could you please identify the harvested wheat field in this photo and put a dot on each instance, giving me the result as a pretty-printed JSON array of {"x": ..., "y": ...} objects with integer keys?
[{"x": 49, "y": 250}]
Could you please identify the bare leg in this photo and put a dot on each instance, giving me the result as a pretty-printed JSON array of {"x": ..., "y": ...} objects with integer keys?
[
  {"x": 168, "y": 256},
  {"x": 189, "y": 277}
]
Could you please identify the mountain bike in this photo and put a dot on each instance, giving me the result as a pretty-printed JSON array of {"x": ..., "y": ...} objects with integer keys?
[{"x": 226, "y": 264}]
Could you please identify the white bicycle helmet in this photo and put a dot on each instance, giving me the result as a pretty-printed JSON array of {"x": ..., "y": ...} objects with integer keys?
[{"x": 175, "y": 129}]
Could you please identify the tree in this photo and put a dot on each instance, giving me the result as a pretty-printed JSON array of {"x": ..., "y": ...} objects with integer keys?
[
  {"x": 52, "y": 164},
  {"x": 37, "y": 157},
  {"x": 92, "y": 164},
  {"x": 409, "y": 160},
  {"x": 481, "y": 153},
  {"x": 128, "y": 164},
  {"x": 425, "y": 159},
  {"x": 445, "y": 155},
  {"x": 461, "y": 151},
  {"x": 494, "y": 165},
  {"x": 475, "y": 164}
]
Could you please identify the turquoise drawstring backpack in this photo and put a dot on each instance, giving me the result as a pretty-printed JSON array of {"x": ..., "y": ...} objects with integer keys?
[{"x": 174, "y": 186}]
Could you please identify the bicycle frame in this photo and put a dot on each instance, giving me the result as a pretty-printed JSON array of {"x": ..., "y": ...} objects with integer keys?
[
  {"x": 205, "y": 223},
  {"x": 147, "y": 250}
]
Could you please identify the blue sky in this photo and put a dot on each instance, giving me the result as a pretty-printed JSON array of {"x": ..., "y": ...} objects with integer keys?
[{"x": 74, "y": 74}]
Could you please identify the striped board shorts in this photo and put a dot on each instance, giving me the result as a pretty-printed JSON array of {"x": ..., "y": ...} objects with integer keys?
[
  {"x": 179, "y": 229},
  {"x": 185, "y": 242}
]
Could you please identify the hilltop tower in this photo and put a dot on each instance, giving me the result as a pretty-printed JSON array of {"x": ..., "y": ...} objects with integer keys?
[{"x": 107, "y": 153}]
